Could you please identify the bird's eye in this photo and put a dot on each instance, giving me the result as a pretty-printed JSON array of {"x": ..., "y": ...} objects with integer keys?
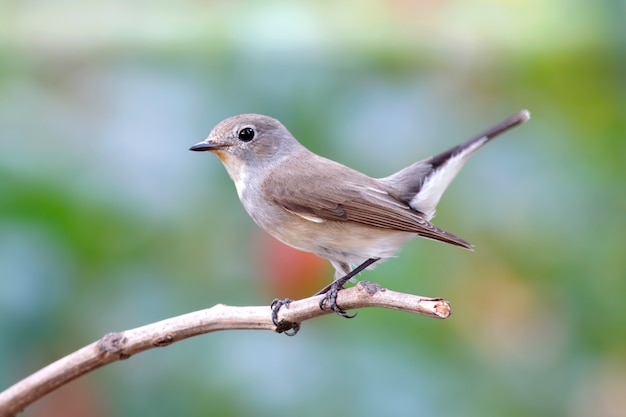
[{"x": 246, "y": 134}]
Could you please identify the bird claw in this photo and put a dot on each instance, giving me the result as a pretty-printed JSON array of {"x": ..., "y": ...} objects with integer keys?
[
  {"x": 329, "y": 302},
  {"x": 283, "y": 326},
  {"x": 276, "y": 305}
]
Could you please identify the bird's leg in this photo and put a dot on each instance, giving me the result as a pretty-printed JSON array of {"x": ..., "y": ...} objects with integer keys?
[{"x": 330, "y": 299}]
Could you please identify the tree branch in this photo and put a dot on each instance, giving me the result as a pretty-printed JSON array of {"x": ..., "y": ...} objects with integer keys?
[{"x": 122, "y": 345}]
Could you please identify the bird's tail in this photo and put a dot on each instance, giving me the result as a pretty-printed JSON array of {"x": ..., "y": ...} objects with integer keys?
[{"x": 422, "y": 184}]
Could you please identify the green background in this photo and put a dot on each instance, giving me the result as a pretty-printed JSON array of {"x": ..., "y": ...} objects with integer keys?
[{"x": 107, "y": 222}]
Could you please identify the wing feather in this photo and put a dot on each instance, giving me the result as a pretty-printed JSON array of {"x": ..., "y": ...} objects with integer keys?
[{"x": 361, "y": 201}]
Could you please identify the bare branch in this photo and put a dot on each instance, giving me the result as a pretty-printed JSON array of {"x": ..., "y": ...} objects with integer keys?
[{"x": 116, "y": 346}]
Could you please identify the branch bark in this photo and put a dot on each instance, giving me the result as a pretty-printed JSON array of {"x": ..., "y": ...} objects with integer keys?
[{"x": 122, "y": 345}]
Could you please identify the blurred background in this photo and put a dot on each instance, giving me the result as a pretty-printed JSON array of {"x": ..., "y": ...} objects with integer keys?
[{"x": 108, "y": 222}]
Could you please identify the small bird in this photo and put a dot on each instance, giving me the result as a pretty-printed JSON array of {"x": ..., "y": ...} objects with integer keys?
[{"x": 321, "y": 206}]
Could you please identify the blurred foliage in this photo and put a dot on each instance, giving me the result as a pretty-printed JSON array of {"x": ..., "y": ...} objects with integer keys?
[{"x": 107, "y": 222}]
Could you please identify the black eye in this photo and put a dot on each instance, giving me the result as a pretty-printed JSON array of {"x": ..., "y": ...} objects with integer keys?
[{"x": 246, "y": 134}]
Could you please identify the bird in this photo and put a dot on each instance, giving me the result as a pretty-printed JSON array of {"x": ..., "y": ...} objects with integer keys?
[{"x": 317, "y": 205}]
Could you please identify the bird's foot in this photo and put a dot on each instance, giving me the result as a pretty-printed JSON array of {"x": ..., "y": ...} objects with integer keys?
[
  {"x": 329, "y": 302},
  {"x": 283, "y": 326},
  {"x": 330, "y": 291}
]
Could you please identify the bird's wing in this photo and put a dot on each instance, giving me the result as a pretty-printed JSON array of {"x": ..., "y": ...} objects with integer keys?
[{"x": 323, "y": 196}]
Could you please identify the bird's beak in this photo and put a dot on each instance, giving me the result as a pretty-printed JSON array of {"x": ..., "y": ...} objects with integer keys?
[{"x": 208, "y": 146}]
